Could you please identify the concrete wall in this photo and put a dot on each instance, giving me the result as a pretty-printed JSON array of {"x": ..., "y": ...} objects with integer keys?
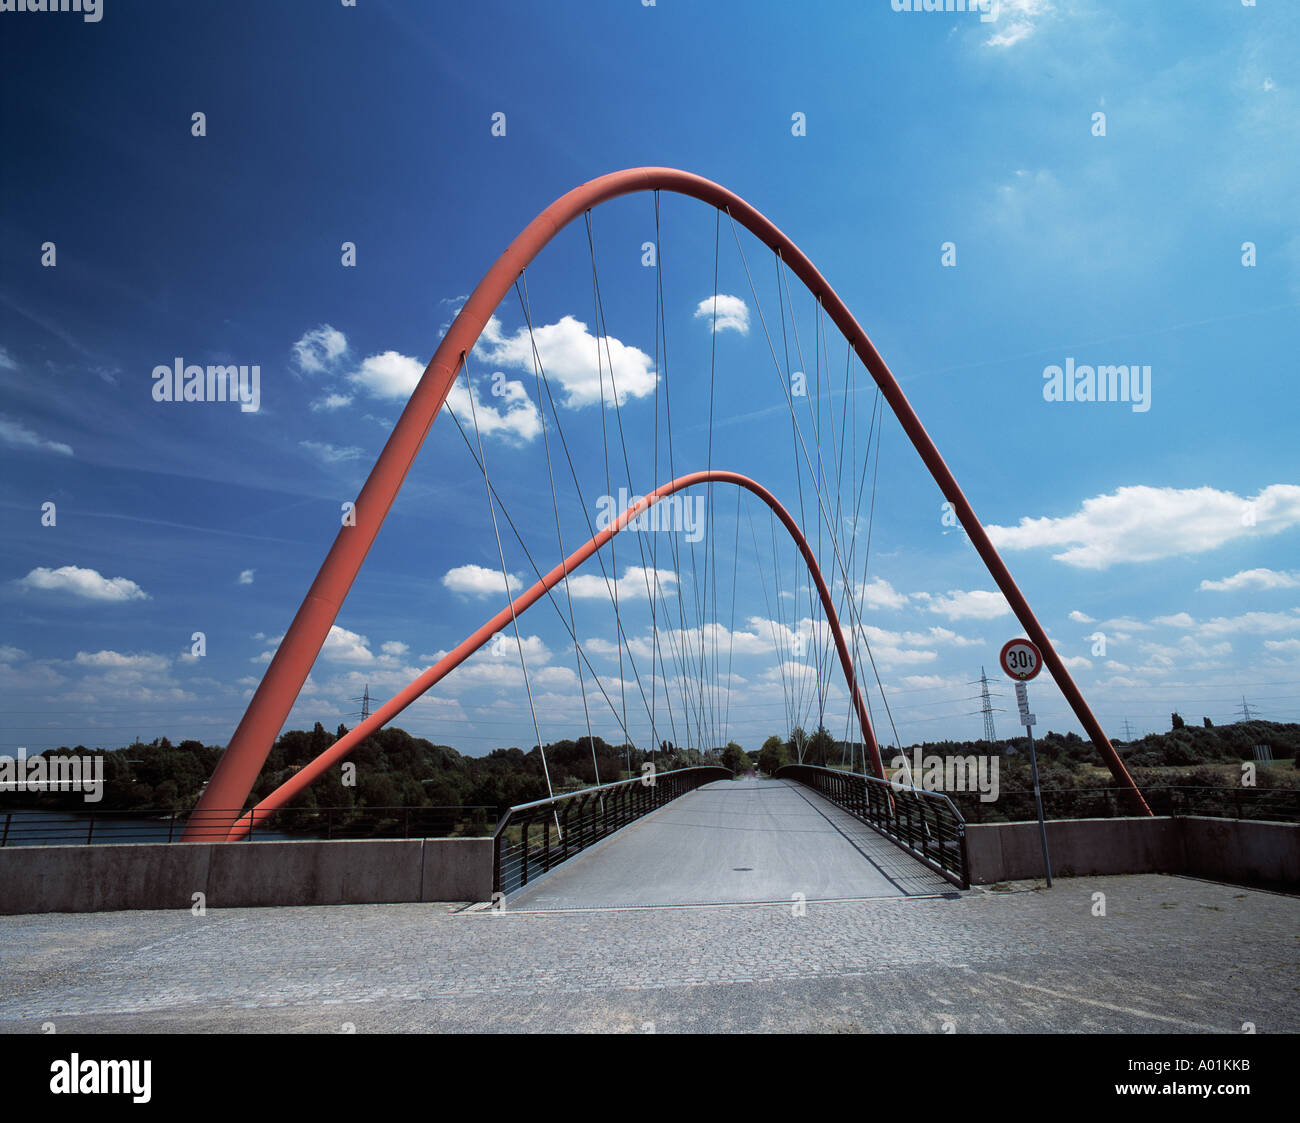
[
  {"x": 243, "y": 874},
  {"x": 1219, "y": 848},
  {"x": 246, "y": 874},
  {"x": 1243, "y": 850},
  {"x": 1013, "y": 851}
]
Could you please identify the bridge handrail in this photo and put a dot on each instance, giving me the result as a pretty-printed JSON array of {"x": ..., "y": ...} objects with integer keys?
[
  {"x": 619, "y": 804},
  {"x": 893, "y": 785},
  {"x": 886, "y": 806},
  {"x": 599, "y": 788}
]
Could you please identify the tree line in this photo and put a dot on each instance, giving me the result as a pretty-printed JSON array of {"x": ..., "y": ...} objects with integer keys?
[{"x": 394, "y": 769}]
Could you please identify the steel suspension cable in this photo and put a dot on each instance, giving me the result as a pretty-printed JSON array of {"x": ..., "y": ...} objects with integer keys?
[
  {"x": 505, "y": 577},
  {"x": 559, "y": 534}
]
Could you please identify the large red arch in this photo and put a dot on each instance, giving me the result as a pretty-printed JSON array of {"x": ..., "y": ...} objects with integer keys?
[
  {"x": 462, "y": 651},
  {"x": 239, "y": 766}
]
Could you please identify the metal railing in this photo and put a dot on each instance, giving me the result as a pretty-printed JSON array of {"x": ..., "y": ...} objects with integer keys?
[
  {"x": 535, "y": 837},
  {"x": 49, "y": 827},
  {"x": 926, "y": 824}
]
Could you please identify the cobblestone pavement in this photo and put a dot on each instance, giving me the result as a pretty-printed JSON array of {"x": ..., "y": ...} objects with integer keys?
[{"x": 1172, "y": 954}]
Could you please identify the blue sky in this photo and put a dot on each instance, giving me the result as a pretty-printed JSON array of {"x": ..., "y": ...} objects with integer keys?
[{"x": 1172, "y": 531}]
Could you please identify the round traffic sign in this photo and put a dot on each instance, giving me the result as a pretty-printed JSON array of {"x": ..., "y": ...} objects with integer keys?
[{"x": 1021, "y": 659}]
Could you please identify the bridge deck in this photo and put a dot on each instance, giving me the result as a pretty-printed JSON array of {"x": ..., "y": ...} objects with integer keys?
[{"x": 734, "y": 842}]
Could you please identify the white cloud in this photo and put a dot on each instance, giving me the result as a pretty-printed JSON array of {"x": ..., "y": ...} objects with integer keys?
[
  {"x": 17, "y": 435},
  {"x": 331, "y": 454},
  {"x": 888, "y": 648},
  {"x": 331, "y": 402},
  {"x": 1122, "y": 680},
  {"x": 1261, "y": 579},
  {"x": 388, "y": 375},
  {"x": 896, "y": 649},
  {"x": 506, "y": 411},
  {"x": 1124, "y": 624},
  {"x": 789, "y": 669},
  {"x": 343, "y": 646},
  {"x": 319, "y": 349},
  {"x": 1287, "y": 646},
  {"x": 394, "y": 648},
  {"x": 889, "y": 657},
  {"x": 928, "y": 682},
  {"x": 246, "y": 576},
  {"x": 712, "y": 637},
  {"x": 1015, "y": 20},
  {"x": 515, "y": 418},
  {"x": 731, "y": 313},
  {"x": 535, "y": 650},
  {"x": 973, "y": 604},
  {"x": 568, "y": 353},
  {"x": 1076, "y": 662},
  {"x": 479, "y": 581},
  {"x": 1148, "y": 523},
  {"x": 1081, "y": 617},
  {"x": 1163, "y": 655},
  {"x": 944, "y": 635},
  {"x": 506, "y": 673},
  {"x": 11, "y": 654},
  {"x": 113, "y": 660},
  {"x": 1177, "y": 620},
  {"x": 497, "y": 664},
  {"x": 86, "y": 583},
  {"x": 1253, "y": 623},
  {"x": 1011, "y": 34},
  {"x": 879, "y": 593},
  {"x": 633, "y": 585}
]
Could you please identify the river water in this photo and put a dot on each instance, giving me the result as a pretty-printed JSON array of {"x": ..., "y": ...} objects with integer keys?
[{"x": 65, "y": 828}]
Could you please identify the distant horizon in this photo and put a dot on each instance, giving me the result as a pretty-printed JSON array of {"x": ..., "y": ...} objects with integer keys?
[{"x": 1039, "y": 735}]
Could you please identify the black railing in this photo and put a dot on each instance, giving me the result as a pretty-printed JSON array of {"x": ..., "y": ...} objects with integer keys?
[
  {"x": 925, "y": 824},
  {"x": 41, "y": 827},
  {"x": 535, "y": 837}
]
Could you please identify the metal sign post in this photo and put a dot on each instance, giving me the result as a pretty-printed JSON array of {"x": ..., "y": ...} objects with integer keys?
[
  {"x": 1021, "y": 660},
  {"x": 1027, "y": 720}
]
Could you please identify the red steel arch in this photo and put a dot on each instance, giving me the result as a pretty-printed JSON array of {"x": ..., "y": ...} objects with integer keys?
[
  {"x": 239, "y": 766},
  {"x": 454, "y": 658}
]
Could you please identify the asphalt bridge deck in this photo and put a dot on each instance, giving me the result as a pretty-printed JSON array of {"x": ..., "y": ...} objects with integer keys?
[{"x": 735, "y": 842}]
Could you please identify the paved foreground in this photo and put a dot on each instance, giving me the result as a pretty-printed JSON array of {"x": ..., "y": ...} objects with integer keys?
[
  {"x": 735, "y": 842},
  {"x": 1171, "y": 954}
]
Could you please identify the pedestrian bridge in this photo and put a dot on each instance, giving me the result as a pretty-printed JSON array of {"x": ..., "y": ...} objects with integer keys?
[{"x": 811, "y": 834}]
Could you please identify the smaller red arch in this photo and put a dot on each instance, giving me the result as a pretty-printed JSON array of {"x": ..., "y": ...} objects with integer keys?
[{"x": 462, "y": 651}]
